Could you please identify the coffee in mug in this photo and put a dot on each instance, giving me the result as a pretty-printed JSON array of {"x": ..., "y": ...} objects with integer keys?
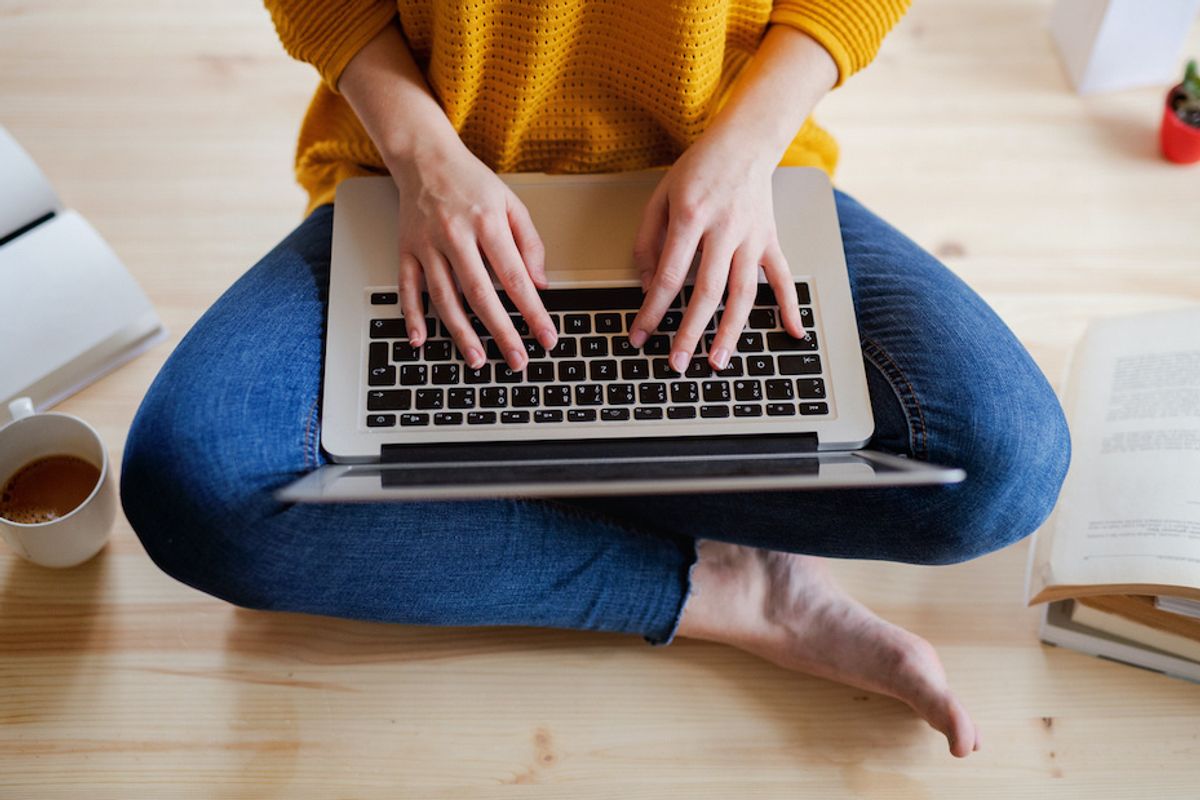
[{"x": 47, "y": 489}]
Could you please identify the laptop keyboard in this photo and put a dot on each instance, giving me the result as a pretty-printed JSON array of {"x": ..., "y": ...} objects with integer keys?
[{"x": 593, "y": 374}]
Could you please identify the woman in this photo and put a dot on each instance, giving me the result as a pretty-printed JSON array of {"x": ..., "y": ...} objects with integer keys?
[{"x": 441, "y": 96}]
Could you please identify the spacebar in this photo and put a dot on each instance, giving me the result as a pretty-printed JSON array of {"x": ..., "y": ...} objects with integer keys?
[{"x": 601, "y": 298}]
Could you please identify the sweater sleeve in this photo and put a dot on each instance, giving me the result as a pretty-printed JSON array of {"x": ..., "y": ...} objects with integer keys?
[
  {"x": 328, "y": 33},
  {"x": 851, "y": 30}
]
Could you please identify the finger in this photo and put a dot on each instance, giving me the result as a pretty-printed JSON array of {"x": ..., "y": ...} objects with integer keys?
[
  {"x": 711, "y": 277},
  {"x": 411, "y": 306},
  {"x": 505, "y": 259},
  {"x": 529, "y": 243},
  {"x": 443, "y": 295},
  {"x": 484, "y": 302},
  {"x": 743, "y": 283},
  {"x": 678, "y": 252},
  {"x": 779, "y": 275},
  {"x": 646, "y": 245}
]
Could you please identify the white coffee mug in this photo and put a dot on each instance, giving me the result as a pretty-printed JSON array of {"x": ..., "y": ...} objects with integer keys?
[{"x": 75, "y": 537}]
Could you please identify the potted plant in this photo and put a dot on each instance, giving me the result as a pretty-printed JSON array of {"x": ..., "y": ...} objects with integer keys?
[{"x": 1180, "y": 134}]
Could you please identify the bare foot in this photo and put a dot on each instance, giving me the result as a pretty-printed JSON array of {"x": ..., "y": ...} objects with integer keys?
[{"x": 787, "y": 609}]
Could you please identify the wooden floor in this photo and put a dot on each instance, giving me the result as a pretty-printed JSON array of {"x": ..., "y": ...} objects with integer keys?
[{"x": 170, "y": 126}]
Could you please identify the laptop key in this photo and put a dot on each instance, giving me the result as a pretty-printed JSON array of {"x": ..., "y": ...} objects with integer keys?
[
  {"x": 634, "y": 369},
  {"x": 657, "y": 346},
  {"x": 512, "y": 417},
  {"x": 394, "y": 400},
  {"x": 446, "y": 374},
  {"x": 608, "y": 323},
  {"x": 525, "y": 396},
  {"x": 593, "y": 346},
  {"x": 429, "y": 399},
  {"x": 806, "y": 318},
  {"x": 714, "y": 412},
  {"x": 670, "y": 321},
  {"x": 548, "y": 415},
  {"x": 381, "y": 420},
  {"x": 403, "y": 351},
  {"x": 604, "y": 370},
  {"x": 647, "y": 413},
  {"x": 589, "y": 394},
  {"x": 715, "y": 391},
  {"x": 533, "y": 349},
  {"x": 539, "y": 371},
  {"x": 809, "y": 409},
  {"x": 577, "y": 323},
  {"x": 377, "y": 355},
  {"x": 681, "y": 412},
  {"x": 747, "y": 390},
  {"x": 810, "y": 388},
  {"x": 481, "y": 417},
  {"x": 620, "y": 394},
  {"x": 519, "y": 323},
  {"x": 661, "y": 368},
  {"x": 652, "y": 393},
  {"x": 564, "y": 348},
  {"x": 414, "y": 375},
  {"x": 460, "y": 398},
  {"x": 762, "y": 318},
  {"x": 381, "y": 376},
  {"x": 747, "y": 410},
  {"x": 493, "y": 397},
  {"x": 448, "y": 418},
  {"x": 478, "y": 326},
  {"x": 685, "y": 392},
  {"x": 781, "y": 341},
  {"x": 760, "y": 365},
  {"x": 581, "y": 415},
  {"x": 384, "y": 298},
  {"x": 388, "y": 329},
  {"x": 506, "y": 374},
  {"x": 409, "y": 420},
  {"x": 779, "y": 389},
  {"x": 733, "y": 369},
  {"x": 481, "y": 375},
  {"x": 557, "y": 395},
  {"x": 750, "y": 342},
  {"x": 799, "y": 365},
  {"x": 437, "y": 351},
  {"x": 571, "y": 371},
  {"x": 698, "y": 368},
  {"x": 614, "y": 414},
  {"x": 781, "y": 410},
  {"x": 621, "y": 347}
]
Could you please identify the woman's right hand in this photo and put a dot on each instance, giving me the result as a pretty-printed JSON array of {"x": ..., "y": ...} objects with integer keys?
[{"x": 455, "y": 214}]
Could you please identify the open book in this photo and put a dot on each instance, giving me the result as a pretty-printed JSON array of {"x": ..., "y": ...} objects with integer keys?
[
  {"x": 1127, "y": 526},
  {"x": 69, "y": 311}
]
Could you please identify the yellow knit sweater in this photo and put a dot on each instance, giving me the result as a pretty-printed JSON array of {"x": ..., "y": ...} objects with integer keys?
[{"x": 563, "y": 85}]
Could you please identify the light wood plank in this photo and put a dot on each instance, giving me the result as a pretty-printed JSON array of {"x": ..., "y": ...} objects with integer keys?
[{"x": 170, "y": 125}]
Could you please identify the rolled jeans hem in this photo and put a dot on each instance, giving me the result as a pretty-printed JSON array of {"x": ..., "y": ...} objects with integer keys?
[{"x": 685, "y": 595}]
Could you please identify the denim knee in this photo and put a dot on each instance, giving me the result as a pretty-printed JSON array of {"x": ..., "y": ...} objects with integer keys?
[{"x": 1016, "y": 460}]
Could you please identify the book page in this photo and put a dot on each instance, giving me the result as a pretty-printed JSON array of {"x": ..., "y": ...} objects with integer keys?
[
  {"x": 25, "y": 194},
  {"x": 1129, "y": 513}
]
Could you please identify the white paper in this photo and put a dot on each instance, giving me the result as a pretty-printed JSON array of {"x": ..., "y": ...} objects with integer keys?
[
  {"x": 1130, "y": 509},
  {"x": 25, "y": 194}
]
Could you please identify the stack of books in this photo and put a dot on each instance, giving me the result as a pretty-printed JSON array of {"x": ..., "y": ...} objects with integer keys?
[{"x": 1118, "y": 564}]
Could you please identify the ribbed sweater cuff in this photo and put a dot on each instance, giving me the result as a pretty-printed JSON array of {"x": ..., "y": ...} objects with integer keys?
[
  {"x": 850, "y": 31},
  {"x": 328, "y": 33}
]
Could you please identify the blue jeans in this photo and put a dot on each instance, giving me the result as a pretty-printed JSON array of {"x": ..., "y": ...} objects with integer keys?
[{"x": 234, "y": 414}]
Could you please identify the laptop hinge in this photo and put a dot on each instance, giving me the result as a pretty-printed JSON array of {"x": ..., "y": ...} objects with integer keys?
[{"x": 656, "y": 449}]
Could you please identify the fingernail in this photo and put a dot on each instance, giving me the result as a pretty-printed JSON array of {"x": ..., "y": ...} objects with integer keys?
[
  {"x": 721, "y": 357},
  {"x": 679, "y": 361},
  {"x": 516, "y": 359},
  {"x": 547, "y": 337},
  {"x": 637, "y": 337},
  {"x": 475, "y": 358}
]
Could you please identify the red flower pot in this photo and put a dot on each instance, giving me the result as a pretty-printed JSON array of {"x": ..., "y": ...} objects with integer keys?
[{"x": 1180, "y": 141}]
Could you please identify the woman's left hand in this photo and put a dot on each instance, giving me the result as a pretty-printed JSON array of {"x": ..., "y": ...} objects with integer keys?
[{"x": 717, "y": 200}]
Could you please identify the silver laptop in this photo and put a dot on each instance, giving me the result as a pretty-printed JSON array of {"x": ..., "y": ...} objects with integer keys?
[{"x": 593, "y": 416}]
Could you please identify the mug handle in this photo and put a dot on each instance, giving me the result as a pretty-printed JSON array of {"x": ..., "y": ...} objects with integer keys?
[{"x": 20, "y": 408}]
